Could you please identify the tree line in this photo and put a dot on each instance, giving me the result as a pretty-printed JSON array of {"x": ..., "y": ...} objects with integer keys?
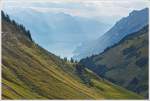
[
  {"x": 19, "y": 26},
  {"x": 71, "y": 60}
]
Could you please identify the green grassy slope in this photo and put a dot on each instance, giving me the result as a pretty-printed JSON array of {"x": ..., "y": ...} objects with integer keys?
[
  {"x": 126, "y": 63},
  {"x": 30, "y": 72}
]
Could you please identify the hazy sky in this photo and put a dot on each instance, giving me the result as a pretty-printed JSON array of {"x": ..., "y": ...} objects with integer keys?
[
  {"x": 102, "y": 9},
  {"x": 107, "y": 11}
]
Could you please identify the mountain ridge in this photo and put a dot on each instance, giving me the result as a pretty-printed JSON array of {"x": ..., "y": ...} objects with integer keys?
[
  {"x": 53, "y": 25},
  {"x": 132, "y": 23},
  {"x": 124, "y": 63},
  {"x": 31, "y": 72}
]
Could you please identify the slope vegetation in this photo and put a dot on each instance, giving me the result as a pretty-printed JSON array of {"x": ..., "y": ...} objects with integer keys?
[
  {"x": 30, "y": 72},
  {"x": 125, "y": 63}
]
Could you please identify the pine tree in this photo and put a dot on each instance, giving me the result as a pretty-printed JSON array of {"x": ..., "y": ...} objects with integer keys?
[
  {"x": 76, "y": 61},
  {"x": 65, "y": 59},
  {"x": 72, "y": 61}
]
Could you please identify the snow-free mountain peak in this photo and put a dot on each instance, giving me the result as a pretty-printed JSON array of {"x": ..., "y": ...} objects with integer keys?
[{"x": 136, "y": 20}]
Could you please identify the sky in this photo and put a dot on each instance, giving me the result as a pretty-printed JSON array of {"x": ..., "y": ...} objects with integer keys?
[{"x": 106, "y": 11}]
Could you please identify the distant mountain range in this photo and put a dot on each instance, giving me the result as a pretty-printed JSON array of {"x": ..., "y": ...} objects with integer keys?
[
  {"x": 125, "y": 63},
  {"x": 127, "y": 25},
  {"x": 55, "y": 30}
]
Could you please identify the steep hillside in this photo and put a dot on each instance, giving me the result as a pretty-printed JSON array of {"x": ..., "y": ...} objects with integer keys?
[
  {"x": 136, "y": 20},
  {"x": 125, "y": 63},
  {"x": 30, "y": 72}
]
